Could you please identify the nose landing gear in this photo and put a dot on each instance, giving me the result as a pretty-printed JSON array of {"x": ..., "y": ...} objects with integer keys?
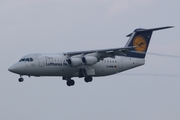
[{"x": 21, "y": 79}]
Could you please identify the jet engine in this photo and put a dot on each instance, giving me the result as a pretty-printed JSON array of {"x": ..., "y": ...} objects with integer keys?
[
  {"x": 89, "y": 60},
  {"x": 74, "y": 62}
]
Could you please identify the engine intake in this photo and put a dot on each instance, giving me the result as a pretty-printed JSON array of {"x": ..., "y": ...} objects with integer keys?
[
  {"x": 89, "y": 60},
  {"x": 74, "y": 62}
]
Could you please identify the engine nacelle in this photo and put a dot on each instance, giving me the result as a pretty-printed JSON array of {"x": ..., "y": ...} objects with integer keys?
[
  {"x": 89, "y": 60},
  {"x": 74, "y": 62}
]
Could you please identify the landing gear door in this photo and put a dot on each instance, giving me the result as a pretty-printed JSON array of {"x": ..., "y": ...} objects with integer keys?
[{"x": 41, "y": 60}]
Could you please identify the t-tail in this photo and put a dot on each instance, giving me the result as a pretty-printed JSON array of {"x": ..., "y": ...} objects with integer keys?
[{"x": 140, "y": 40}]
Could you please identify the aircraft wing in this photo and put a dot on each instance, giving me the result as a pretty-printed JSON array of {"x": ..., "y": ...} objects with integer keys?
[{"x": 103, "y": 52}]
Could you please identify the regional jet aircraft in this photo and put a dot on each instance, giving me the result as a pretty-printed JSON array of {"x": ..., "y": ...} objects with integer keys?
[{"x": 90, "y": 63}]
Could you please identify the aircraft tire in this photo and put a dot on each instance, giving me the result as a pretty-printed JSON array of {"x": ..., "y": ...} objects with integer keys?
[
  {"x": 20, "y": 79},
  {"x": 70, "y": 83},
  {"x": 88, "y": 79}
]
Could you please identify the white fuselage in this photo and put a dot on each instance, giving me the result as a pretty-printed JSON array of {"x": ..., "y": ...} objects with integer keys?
[{"x": 56, "y": 65}]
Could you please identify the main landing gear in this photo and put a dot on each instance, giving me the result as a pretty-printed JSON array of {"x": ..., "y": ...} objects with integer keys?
[
  {"x": 88, "y": 79},
  {"x": 71, "y": 82},
  {"x": 83, "y": 73}
]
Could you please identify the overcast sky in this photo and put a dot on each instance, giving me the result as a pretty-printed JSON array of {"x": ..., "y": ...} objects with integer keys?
[{"x": 149, "y": 92}]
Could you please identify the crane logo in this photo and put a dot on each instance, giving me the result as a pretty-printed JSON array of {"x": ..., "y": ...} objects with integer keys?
[{"x": 140, "y": 44}]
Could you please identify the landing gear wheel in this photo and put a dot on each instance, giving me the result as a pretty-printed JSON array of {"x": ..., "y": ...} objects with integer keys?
[
  {"x": 70, "y": 82},
  {"x": 88, "y": 79},
  {"x": 20, "y": 79}
]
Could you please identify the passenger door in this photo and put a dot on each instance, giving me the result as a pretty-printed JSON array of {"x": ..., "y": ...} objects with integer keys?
[{"x": 41, "y": 60}]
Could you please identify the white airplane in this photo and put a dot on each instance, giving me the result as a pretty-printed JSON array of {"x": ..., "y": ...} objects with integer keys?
[{"x": 88, "y": 64}]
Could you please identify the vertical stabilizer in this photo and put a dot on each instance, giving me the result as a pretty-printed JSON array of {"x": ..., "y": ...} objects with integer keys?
[{"x": 140, "y": 40}]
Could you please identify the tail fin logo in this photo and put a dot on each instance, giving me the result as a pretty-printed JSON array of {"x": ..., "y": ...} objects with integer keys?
[{"x": 140, "y": 44}]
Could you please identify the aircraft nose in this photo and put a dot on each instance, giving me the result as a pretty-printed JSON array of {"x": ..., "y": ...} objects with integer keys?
[
  {"x": 13, "y": 68},
  {"x": 18, "y": 68}
]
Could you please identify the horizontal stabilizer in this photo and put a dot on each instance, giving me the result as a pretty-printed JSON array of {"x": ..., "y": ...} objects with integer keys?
[{"x": 157, "y": 54}]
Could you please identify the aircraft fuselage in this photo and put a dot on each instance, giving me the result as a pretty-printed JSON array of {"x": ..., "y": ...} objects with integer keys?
[{"x": 56, "y": 65}]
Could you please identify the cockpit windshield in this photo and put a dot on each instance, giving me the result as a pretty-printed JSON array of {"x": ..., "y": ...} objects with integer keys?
[{"x": 26, "y": 59}]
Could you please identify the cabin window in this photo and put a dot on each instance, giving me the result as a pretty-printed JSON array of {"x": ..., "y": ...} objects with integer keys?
[
  {"x": 21, "y": 60},
  {"x": 27, "y": 59},
  {"x": 31, "y": 59}
]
